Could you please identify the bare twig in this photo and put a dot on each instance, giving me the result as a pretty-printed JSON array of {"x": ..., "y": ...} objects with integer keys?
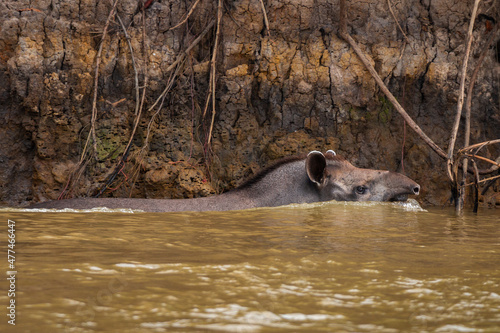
[
  {"x": 468, "y": 103},
  {"x": 193, "y": 107},
  {"x": 395, "y": 19},
  {"x": 136, "y": 76},
  {"x": 483, "y": 159},
  {"x": 479, "y": 145},
  {"x": 476, "y": 187},
  {"x": 463, "y": 75},
  {"x": 193, "y": 44},
  {"x": 187, "y": 16},
  {"x": 177, "y": 64},
  {"x": 266, "y": 21},
  {"x": 80, "y": 167},
  {"x": 214, "y": 67},
  {"x": 139, "y": 156},
  {"x": 491, "y": 169},
  {"x": 404, "y": 130},
  {"x": 96, "y": 78},
  {"x": 139, "y": 106},
  {"x": 484, "y": 180},
  {"x": 466, "y": 153},
  {"x": 180, "y": 58},
  {"x": 145, "y": 84},
  {"x": 383, "y": 87},
  {"x": 73, "y": 178},
  {"x": 161, "y": 100}
]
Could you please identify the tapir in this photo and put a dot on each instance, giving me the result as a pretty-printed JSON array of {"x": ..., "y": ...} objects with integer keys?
[{"x": 307, "y": 178}]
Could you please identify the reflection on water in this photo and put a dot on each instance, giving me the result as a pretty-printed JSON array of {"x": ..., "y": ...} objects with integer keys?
[{"x": 329, "y": 267}]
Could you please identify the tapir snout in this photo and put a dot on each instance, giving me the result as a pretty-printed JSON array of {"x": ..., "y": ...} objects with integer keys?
[{"x": 399, "y": 187}]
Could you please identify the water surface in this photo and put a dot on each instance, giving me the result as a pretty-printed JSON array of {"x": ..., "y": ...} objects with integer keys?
[{"x": 330, "y": 267}]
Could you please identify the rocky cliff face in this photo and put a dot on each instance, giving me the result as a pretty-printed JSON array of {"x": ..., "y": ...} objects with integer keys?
[{"x": 281, "y": 89}]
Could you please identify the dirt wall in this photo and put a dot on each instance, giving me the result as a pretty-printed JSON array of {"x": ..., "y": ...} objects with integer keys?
[{"x": 281, "y": 89}]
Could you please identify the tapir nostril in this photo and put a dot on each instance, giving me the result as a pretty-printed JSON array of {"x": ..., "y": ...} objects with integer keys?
[{"x": 416, "y": 189}]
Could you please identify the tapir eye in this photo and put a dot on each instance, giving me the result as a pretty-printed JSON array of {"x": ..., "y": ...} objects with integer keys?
[{"x": 361, "y": 189}]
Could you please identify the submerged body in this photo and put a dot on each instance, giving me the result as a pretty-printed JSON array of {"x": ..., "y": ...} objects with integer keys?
[{"x": 301, "y": 179}]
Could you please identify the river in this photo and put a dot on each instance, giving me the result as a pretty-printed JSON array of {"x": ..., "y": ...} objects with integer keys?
[{"x": 326, "y": 267}]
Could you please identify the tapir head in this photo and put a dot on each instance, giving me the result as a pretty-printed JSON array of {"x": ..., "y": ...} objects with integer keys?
[{"x": 337, "y": 179}]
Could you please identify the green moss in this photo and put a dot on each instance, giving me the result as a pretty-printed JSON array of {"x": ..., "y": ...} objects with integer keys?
[
  {"x": 386, "y": 108},
  {"x": 108, "y": 146}
]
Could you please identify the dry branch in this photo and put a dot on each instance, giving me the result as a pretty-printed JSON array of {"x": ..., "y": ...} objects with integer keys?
[
  {"x": 177, "y": 64},
  {"x": 460, "y": 188},
  {"x": 345, "y": 35},
  {"x": 145, "y": 84},
  {"x": 180, "y": 58},
  {"x": 96, "y": 78},
  {"x": 214, "y": 67},
  {"x": 476, "y": 187},
  {"x": 479, "y": 145},
  {"x": 463, "y": 75},
  {"x": 468, "y": 101},
  {"x": 139, "y": 104},
  {"x": 187, "y": 16},
  {"x": 395, "y": 19},
  {"x": 453, "y": 162},
  {"x": 136, "y": 76},
  {"x": 266, "y": 21},
  {"x": 82, "y": 163},
  {"x": 484, "y": 180},
  {"x": 483, "y": 159}
]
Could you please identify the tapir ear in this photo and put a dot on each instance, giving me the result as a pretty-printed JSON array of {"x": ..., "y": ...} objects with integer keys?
[{"x": 315, "y": 166}]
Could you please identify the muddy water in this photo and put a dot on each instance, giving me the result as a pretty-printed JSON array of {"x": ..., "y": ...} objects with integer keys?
[{"x": 331, "y": 267}]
